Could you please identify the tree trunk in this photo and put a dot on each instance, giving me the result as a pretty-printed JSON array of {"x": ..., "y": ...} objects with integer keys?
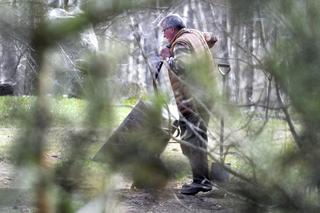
[
  {"x": 249, "y": 73},
  {"x": 236, "y": 70}
]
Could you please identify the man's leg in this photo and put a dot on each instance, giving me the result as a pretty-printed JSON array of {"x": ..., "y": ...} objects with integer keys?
[{"x": 194, "y": 133}]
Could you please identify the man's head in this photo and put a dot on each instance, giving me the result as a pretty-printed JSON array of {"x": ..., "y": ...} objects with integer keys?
[{"x": 170, "y": 25}]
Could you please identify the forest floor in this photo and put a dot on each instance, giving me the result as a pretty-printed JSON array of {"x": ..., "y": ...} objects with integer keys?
[{"x": 14, "y": 198}]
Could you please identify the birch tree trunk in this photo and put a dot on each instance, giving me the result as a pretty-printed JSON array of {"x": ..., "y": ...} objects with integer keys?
[
  {"x": 190, "y": 15},
  {"x": 225, "y": 48},
  {"x": 236, "y": 69},
  {"x": 249, "y": 72},
  {"x": 202, "y": 16}
]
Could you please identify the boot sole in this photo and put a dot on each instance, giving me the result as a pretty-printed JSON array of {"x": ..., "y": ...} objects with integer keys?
[{"x": 196, "y": 191}]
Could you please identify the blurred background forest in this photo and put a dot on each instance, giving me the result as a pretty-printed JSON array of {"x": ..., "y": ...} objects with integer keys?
[{"x": 71, "y": 68}]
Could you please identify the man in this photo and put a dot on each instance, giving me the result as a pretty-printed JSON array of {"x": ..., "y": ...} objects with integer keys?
[{"x": 190, "y": 61}]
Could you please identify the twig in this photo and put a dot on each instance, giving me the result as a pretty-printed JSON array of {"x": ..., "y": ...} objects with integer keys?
[
  {"x": 288, "y": 118},
  {"x": 179, "y": 201}
]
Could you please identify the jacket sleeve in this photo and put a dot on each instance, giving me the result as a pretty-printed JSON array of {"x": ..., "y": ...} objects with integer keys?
[{"x": 177, "y": 62}]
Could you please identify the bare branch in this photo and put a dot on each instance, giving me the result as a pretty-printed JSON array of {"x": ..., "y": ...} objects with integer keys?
[{"x": 292, "y": 128}]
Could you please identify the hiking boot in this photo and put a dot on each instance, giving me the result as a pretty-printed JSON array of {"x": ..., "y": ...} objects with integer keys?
[{"x": 196, "y": 186}]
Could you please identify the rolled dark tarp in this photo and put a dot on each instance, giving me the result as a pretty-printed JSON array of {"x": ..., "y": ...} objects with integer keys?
[{"x": 135, "y": 147}]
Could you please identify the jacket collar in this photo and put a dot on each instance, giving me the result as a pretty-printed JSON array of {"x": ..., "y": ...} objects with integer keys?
[{"x": 179, "y": 33}]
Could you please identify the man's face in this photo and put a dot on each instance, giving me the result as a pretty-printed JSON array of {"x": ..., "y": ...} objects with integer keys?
[{"x": 169, "y": 33}]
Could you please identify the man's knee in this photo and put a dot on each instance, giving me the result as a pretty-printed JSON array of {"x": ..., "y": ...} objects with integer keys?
[{"x": 185, "y": 149}]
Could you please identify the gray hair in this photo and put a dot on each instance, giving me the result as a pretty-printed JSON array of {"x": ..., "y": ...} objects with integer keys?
[{"x": 172, "y": 20}]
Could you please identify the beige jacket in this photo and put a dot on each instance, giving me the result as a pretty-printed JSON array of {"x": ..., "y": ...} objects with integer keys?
[{"x": 191, "y": 58}]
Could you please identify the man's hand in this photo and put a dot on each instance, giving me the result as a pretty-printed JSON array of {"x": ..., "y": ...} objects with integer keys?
[{"x": 165, "y": 53}]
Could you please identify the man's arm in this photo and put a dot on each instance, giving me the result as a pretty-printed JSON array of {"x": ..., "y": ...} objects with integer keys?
[{"x": 177, "y": 62}]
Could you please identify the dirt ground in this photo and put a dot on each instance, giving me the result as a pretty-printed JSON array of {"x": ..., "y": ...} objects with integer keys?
[
  {"x": 171, "y": 200},
  {"x": 124, "y": 199},
  {"x": 16, "y": 197}
]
